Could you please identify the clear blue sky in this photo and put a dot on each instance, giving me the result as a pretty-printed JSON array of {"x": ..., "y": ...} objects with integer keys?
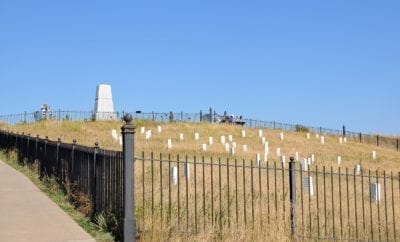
[{"x": 321, "y": 63}]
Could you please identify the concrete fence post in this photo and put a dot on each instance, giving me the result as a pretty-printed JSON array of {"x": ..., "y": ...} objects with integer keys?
[
  {"x": 128, "y": 134},
  {"x": 292, "y": 183}
]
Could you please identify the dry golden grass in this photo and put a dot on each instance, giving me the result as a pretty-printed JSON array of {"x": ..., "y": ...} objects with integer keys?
[
  {"x": 87, "y": 133},
  {"x": 149, "y": 223}
]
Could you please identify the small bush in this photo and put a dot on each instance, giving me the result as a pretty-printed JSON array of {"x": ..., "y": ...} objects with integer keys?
[{"x": 302, "y": 128}]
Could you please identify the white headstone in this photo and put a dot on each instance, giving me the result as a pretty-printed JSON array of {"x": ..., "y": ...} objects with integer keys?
[
  {"x": 341, "y": 140},
  {"x": 227, "y": 147},
  {"x": 210, "y": 140},
  {"x": 260, "y": 133},
  {"x": 297, "y": 156},
  {"x": 374, "y": 155},
  {"x": 104, "y": 107},
  {"x": 345, "y": 140},
  {"x": 322, "y": 140},
  {"x": 263, "y": 140},
  {"x": 148, "y": 134},
  {"x": 282, "y": 136},
  {"x": 308, "y": 185},
  {"x": 317, "y": 136},
  {"x": 339, "y": 160},
  {"x": 181, "y": 136},
  {"x": 120, "y": 140},
  {"x": 258, "y": 159},
  {"x": 159, "y": 129},
  {"x": 142, "y": 130},
  {"x": 304, "y": 164},
  {"x": 114, "y": 134},
  {"x": 204, "y": 147},
  {"x": 169, "y": 144},
  {"x": 308, "y": 135},
  {"x": 196, "y": 136},
  {"x": 245, "y": 148},
  {"x": 278, "y": 152},
  {"x": 309, "y": 161},
  {"x": 234, "y": 145},
  {"x": 313, "y": 158},
  {"x": 233, "y": 149},
  {"x": 223, "y": 140},
  {"x": 376, "y": 192},
  {"x": 230, "y": 138},
  {"x": 283, "y": 160},
  {"x": 243, "y": 133},
  {"x": 357, "y": 169},
  {"x": 187, "y": 170},
  {"x": 174, "y": 175}
]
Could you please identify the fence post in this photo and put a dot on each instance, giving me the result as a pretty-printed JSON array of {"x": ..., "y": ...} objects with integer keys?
[
  {"x": 344, "y": 131},
  {"x": 201, "y": 116},
  {"x": 377, "y": 140},
  {"x": 292, "y": 183},
  {"x": 128, "y": 134},
  {"x": 58, "y": 160},
  {"x": 360, "y": 137},
  {"x": 211, "y": 117},
  {"x": 397, "y": 144}
]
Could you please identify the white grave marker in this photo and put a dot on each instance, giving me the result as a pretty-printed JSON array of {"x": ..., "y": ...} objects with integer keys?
[
  {"x": 376, "y": 192},
  {"x": 196, "y": 136},
  {"x": 374, "y": 155},
  {"x": 187, "y": 170},
  {"x": 174, "y": 175},
  {"x": 120, "y": 140},
  {"x": 308, "y": 185},
  {"x": 297, "y": 156},
  {"x": 278, "y": 152},
  {"x": 341, "y": 140},
  {"x": 357, "y": 169},
  {"x": 227, "y": 147},
  {"x": 169, "y": 144},
  {"x": 322, "y": 140},
  {"x": 148, "y": 134},
  {"x": 233, "y": 149},
  {"x": 309, "y": 161},
  {"x": 282, "y": 136},
  {"x": 313, "y": 158},
  {"x": 263, "y": 140},
  {"x": 317, "y": 136},
  {"x": 181, "y": 136},
  {"x": 304, "y": 164},
  {"x": 245, "y": 148},
  {"x": 339, "y": 160},
  {"x": 308, "y": 135},
  {"x": 243, "y": 133},
  {"x": 258, "y": 159},
  {"x": 345, "y": 140},
  {"x": 204, "y": 147},
  {"x": 114, "y": 134},
  {"x": 210, "y": 140},
  {"x": 230, "y": 138},
  {"x": 234, "y": 145},
  {"x": 159, "y": 129},
  {"x": 260, "y": 133},
  {"x": 283, "y": 160},
  {"x": 142, "y": 130},
  {"x": 223, "y": 139}
]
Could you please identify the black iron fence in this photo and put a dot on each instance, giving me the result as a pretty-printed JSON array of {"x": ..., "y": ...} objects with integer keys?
[
  {"x": 90, "y": 173},
  {"x": 194, "y": 195}
]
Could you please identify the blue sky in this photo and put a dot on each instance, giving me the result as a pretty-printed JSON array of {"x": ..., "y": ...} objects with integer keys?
[{"x": 321, "y": 63}]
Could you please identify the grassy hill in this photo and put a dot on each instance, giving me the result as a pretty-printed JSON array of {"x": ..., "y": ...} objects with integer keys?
[{"x": 87, "y": 133}]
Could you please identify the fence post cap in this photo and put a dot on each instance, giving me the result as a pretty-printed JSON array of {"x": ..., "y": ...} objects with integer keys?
[
  {"x": 292, "y": 159},
  {"x": 74, "y": 141},
  {"x": 59, "y": 139},
  {"x": 128, "y": 118},
  {"x": 96, "y": 144}
]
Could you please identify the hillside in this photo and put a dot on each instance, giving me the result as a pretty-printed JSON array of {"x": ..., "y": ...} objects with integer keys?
[{"x": 87, "y": 133}]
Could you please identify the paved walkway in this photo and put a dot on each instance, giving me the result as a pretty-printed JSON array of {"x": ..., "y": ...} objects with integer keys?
[{"x": 26, "y": 214}]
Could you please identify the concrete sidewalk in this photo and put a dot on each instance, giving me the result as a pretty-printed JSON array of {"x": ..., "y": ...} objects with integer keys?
[{"x": 26, "y": 214}]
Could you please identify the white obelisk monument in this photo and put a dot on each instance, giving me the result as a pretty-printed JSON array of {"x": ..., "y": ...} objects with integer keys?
[{"x": 104, "y": 107}]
